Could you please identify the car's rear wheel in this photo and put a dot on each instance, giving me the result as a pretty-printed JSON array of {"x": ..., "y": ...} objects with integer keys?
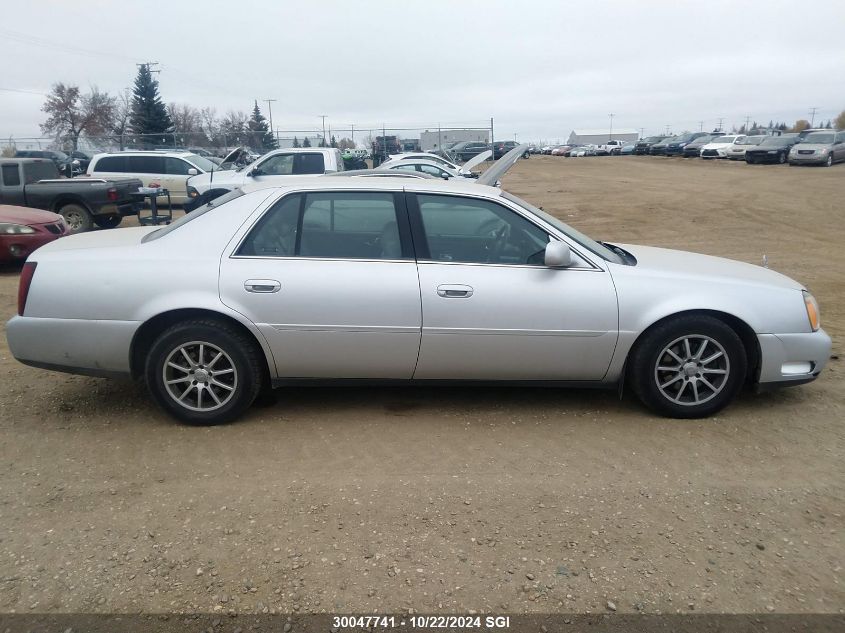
[
  {"x": 829, "y": 161},
  {"x": 688, "y": 367},
  {"x": 77, "y": 218},
  {"x": 782, "y": 158},
  {"x": 204, "y": 372},
  {"x": 107, "y": 221}
]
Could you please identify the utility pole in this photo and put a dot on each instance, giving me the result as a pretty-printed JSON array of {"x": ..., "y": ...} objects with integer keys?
[
  {"x": 270, "y": 113},
  {"x": 353, "y": 135},
  {"x": 642, "y": 132},
  {"x": 721, "y": 119},
  {"x": 323, "y": 116},
  {"x": 493, "y": 153},
  {"x": 611, "y": 115},
  {"x": 813, "y": 111},
  {"x": 701, "y": 126},
  {"x": 439, "y": 139},
  {"x": 514, "y": 137},
  {"x": 667, "y": 130}
]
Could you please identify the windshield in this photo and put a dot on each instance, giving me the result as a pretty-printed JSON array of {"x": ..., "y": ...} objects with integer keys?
[
  {"x": 776, "y": 141},
  {"x": 201, "y": 161},
  {"x": 583, "y": 240},
  {"x": 684, "y": 138},
  {"x": 818, "y": 137},
  {"x": 193, "y": 215},
  {"x": 724, "y": 139},
  {"x": 753, "y": 140}
]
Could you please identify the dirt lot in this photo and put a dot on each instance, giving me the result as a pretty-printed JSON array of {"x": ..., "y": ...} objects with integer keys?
[{"x": 517, "y": 500}]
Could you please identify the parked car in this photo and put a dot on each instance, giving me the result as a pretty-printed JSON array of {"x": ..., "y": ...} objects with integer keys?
[
  {"x": 659, "y": 148},
  {"x": 693, "y": 148},
  {"x": 465, "y": 150},
  {"x": 718, "y": 147},
  {"x": 500, "y": 148},
  {"x": 677, "y": 145},
  {"x": 773, "y": 149},
  {"x": 23, "y": 230},
  {"x": 738, "y": 149},
  {"x": 445, "y": 162},
  {"x": 35, "y": 182},
  {"x": 643, "y": 146},
  {"x": 819, "y": 148},
  {"x": 611, "y": 148},
  {"x": 271, "y": 169},
  {"x": 404, "y": 279},
  {"x": 560, "y": 150},
  {"x": 170, "y": 170},
  {"x": 64, "y": 163},
  {"x": 583, "y": 150},
  {"x": 627, "y": 149},
  {"x": 439, "y": 169}
]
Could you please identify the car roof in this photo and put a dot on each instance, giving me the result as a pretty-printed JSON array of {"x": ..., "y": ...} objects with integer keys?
[{"x": 386, "y": 183}]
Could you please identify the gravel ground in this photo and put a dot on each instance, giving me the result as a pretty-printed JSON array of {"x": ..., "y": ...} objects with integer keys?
[{"x": 457, "y": 499}]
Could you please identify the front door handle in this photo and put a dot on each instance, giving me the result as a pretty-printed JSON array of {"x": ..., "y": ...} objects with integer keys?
[
  {"x": 265, "y": 286},
  {"x": 454, "y": 291}
]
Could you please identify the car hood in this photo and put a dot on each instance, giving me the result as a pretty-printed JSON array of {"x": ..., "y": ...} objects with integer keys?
[
  {"x": 767, "y": 148},
  {"x": 716, "y": 146},
  {"x": 685, "y": 264},
  {"x": 223, "y": 177},
  {"x": 21, "y": 215}
]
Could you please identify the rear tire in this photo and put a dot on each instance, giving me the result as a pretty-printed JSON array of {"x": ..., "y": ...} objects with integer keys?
[
  {"x": 782, "y": 158},
  {"x": 77, "y": 218},
  {"x": 829, "y": 161},
  {"x": 107, "y": 221},
  {"x": 688, "y": 367},
  {"x": 204, "y": 372}
]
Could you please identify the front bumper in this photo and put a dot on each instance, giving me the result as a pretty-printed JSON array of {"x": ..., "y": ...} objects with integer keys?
[
  {"x": 787, "y": 359},
  {"x": 808, "y": 159},
  {"x": 76, "y": 346}
]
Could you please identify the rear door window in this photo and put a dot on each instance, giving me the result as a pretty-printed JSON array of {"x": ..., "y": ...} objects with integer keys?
[
  {"x": 111, "y": 164},
  {"x": 145, "y": 164},
  {"x": 176, "y": 166},
  {"x": 10, "y": 175},
  {"x": 309, "y": 164}
]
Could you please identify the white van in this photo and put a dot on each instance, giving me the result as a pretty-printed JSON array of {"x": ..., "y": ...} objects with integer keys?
[{"x": 170, "y": 170}]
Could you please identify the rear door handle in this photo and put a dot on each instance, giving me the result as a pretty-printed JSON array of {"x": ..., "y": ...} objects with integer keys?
[
  {"x": 454, "y": 291},
  {"x": 265, "y": 286}
]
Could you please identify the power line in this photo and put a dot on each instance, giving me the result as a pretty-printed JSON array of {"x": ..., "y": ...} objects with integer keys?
[{"x": 813, "y": 111}]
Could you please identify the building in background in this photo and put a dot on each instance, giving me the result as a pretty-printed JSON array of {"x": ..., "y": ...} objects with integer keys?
[
  {"x": 600, "y": 137},
  {"x": 430, "y": 141}
]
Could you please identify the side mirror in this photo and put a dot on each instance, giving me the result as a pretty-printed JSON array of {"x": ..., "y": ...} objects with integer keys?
[
  {"x": 445, "y": 176},
  {"x": 255, "y": 172},
  {"x": 192, "y": 171},
  {"x": 558, "y": 255}
]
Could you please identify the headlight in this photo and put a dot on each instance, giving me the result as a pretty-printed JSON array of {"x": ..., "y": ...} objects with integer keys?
[
  {"x": 812, "y": 310},
  {"x": 192, "y": 192},
  {"x": 16, "y": 229}
]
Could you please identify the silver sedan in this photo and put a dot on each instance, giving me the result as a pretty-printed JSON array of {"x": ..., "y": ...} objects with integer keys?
[{"x": 404, "y": 280}]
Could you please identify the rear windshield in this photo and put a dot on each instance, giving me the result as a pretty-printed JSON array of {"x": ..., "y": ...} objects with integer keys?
[
  {"x": 33, "y": 172},
  {"x": 193, "y": 215}
]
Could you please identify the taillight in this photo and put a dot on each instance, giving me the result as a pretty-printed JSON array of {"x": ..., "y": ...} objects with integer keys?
[
  {"x": 23, "y": 287},
  {"x": 112, "y": 194}
]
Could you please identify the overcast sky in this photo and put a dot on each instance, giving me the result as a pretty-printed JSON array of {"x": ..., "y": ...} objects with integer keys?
[{"x": 540, "y": 68}]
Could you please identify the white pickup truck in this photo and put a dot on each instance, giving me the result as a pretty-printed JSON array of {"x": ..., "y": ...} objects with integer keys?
[
  {"x": 611, "y": 148},
  {"x": 273, "y": 168}
]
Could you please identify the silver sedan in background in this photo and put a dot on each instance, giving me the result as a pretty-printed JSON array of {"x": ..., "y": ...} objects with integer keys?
[{"x": 402, "y": 280}]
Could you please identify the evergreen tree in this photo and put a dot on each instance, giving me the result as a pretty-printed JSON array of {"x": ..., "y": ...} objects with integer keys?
[
  {"x": 149, "y": 115},
  {"x": 295, "y": 142},
  {"x": 261, "y": 135},
  {"x": 334, "y": 141},
  {"x": 306, "y": 142}
]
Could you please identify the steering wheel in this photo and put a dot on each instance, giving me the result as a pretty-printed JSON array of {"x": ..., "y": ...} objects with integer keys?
[{"x": 498, "y": 237}]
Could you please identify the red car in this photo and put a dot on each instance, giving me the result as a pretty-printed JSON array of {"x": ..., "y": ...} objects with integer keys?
[{"x": 23, "y": 230}]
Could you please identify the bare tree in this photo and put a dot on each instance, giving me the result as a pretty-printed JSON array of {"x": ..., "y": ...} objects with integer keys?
[
  {"x": 233, "y": 127},
  {"x": 346, "y": 143},
  {"x": 70, "y": 113},
  {"x": 122, "y": 112},
  {"x": 800, "y": 125},
  {"x": 187, "y": 121},
  {"x": 839, "y": 121}
]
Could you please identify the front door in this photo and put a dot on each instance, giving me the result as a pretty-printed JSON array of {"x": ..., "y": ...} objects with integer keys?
[
  {"x": 491, "y": 308},
  {"x": 331, "y": 281}
]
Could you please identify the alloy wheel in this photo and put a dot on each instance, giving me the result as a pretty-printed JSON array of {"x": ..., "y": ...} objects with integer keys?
[
  {"x": 199, "y": 376},
  {"x": 692, "y": 370}
]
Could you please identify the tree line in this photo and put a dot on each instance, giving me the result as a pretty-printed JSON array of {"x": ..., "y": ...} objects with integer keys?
[{"x": 139, "y": 116}]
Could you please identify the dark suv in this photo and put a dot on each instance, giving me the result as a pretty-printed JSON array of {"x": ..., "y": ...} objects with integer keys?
[
  {"x": 500, "y": 148},
  {"x": 644, "y": 144},
  {"x": 467, "y": 149},
  {"x": 677, "y": 145},
  {"x": 64, "y": 163}
]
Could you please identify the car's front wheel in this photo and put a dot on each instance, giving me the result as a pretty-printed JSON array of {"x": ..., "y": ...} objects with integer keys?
[
  {"x": 688, "y": 367},
  {"x": 204, "y": 372},
  {"x": 107, "y": 221},
  {"x": 829, "y": 161}
]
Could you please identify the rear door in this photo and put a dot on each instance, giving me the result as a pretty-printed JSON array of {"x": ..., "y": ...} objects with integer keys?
[
  {"x": 175, "y": 178},
  {"x": 11, "y": 184},
  {"x": 329, "y": 277}
]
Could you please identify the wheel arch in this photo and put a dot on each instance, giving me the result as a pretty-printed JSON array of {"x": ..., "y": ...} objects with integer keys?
[
  {"x": 147, "y": 333},
  {"x": 743, "y": 330},
  {"x": 69, "y": 198}
]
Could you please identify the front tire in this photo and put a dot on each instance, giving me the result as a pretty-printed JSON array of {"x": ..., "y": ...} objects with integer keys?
[
  {"x": 77, "y": 218},
  {"x": 688, "y": 367},
  {"x": 204, "y": 372},
  {"x": 829, "y": 161},
  {"x": 782, "y": 158}
]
